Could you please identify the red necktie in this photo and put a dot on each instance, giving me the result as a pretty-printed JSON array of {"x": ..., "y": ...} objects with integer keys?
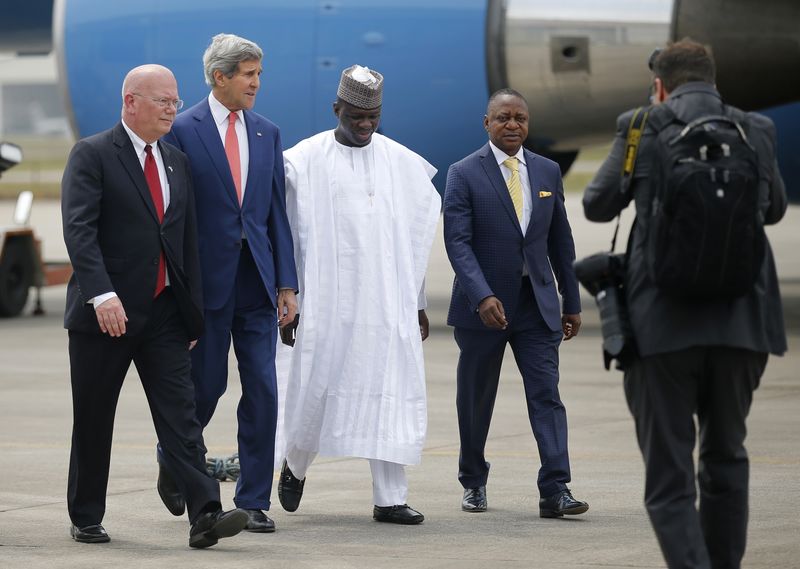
[
  {"x": 151, "y": 175},
  {"x": 232, "y": 152}
]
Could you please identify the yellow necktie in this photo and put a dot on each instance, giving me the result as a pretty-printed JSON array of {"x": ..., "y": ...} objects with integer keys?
[{"x": 514, "y": 185}]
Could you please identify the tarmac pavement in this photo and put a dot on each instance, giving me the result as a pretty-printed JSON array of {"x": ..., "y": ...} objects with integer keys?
[{"x": 333, "y": 527}]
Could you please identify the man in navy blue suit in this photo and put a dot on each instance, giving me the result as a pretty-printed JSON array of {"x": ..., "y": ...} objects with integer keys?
[
  {"x": 506, "y": 233},
  {"x": 246, "y": 261}
]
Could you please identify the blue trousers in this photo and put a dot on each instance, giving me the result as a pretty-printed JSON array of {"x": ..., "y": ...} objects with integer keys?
[
  {"x": 248, "y": 319},
  {"x": 535, "y": 349}
]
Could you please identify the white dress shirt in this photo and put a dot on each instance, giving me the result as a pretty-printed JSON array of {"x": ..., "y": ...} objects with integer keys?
[
  {"x": 138, "y": 147},
  {"x": 220, "y": 113}
]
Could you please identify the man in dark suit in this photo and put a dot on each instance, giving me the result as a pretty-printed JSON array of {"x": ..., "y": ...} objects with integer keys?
[
  {"x": 246, "y": 260},
  {"x": 506, "y": 233},
  {"x": 134, "y": 296},
  {"x": 700, "y": 358}
]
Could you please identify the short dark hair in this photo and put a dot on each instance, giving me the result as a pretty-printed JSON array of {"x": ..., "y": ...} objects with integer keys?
[
  {"x": 504, "y": 91},
  {"x": 682, "y": 62}
]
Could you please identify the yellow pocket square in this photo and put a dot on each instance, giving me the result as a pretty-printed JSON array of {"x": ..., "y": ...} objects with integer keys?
[{"x": 545, "y": 194}]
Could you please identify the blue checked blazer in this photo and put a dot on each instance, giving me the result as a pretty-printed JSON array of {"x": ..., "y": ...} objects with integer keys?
[{"x": 486, "y": 246}]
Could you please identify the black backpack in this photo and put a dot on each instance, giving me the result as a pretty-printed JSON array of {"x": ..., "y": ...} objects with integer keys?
[{"x": 705, "y": 229}]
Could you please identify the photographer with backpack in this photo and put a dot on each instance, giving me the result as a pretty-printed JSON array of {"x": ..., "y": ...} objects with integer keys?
[{"x": 702, "y": 296}]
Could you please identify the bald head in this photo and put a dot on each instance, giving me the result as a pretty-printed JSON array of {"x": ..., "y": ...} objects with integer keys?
[
  {"x": 143, "y": 76},
  {"x": 145, "y": 90}
]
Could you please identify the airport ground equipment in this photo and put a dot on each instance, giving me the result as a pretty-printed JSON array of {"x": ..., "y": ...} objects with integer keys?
[{"x": 21, "y": 263}]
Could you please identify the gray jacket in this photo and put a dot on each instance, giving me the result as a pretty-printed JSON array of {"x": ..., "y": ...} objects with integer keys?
[{"x": 667, "y": 324}]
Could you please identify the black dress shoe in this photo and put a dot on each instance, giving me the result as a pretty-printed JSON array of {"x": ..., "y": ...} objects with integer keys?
[
  {"x": 89, "y": 534},
  {"x": 211, "y": 527},
  {"x": 561, "y": 504},
  {"x": 169, "y": 492},
  {"x": 259, "y": 522},
  {"x": 290, "y": 489},
  {"x": 399, "y": 514},
  {"x": 474, "y": 499}
]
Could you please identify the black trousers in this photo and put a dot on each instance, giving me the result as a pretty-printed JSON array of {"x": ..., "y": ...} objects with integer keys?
[
  {"x": 665, "y": 392},
  {"x": 98, "y": 364},
  {"x": 535, "y": 349}
]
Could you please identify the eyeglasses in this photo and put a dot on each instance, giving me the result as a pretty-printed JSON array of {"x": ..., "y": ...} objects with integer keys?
[{"x": 163, "y": 102}]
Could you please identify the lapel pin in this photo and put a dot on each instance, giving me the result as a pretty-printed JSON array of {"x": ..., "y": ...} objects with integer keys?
[
  {"x": 258, "y": 134},
  {"x": 169, "y": 168},
  {"x": 545, "y": 194}
]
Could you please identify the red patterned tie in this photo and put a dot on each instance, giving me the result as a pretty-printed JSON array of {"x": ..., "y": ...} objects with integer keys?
[
  {"x": 151, "y": 175},
  {"x": 232, "y": 152}
]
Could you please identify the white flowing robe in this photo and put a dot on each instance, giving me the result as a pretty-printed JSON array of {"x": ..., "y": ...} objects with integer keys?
[{"x": 354, "y": 383}]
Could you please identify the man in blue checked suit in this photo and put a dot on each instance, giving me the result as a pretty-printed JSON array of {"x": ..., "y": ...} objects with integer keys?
[{"x": 510, "y": 244}]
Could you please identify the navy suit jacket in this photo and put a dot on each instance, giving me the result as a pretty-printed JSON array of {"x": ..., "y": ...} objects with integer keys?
[
  {"x": 114, "y": 238},
  {"x": 221, "y": 222},
  {"x": 487, "y": 248}
]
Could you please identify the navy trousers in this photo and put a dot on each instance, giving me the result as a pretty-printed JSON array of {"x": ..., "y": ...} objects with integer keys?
[
  {"x": 248, "y": 319},
  {"x": 98, "y": 365},
  {"x": 535, "y": 349}
]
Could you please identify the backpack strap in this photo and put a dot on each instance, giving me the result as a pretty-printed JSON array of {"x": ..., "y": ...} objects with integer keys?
[
  {"x": 662, "y": 115},
  {"x": 736, "y": 114},
  {"x": 712, "y": 118}
]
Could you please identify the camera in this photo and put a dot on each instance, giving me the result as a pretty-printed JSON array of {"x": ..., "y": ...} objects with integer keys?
[{"x": 603, "y": 275}]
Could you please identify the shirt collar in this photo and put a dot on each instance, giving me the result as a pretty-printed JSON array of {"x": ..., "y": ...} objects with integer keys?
[
  {"x": 220, "y": 112},
  {"x": 501, "y": 156},
  {"x": 138, "y": 143}
]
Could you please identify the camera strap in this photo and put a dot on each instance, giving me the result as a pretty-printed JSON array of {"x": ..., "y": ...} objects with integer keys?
[{"x": 635, "y": 129}]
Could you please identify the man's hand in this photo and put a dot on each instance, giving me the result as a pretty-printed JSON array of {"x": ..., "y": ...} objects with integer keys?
[
  {"x": 111, "y": 317},
  {"x": 492, "y": 314},
  {"x": 424, "y": 326},
  {"x": 287, "y": 306},
  {"x": 570, "y": 324}
]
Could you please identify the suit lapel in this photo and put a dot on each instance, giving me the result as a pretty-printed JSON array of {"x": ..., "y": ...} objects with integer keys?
[
  {"x": 254, "y": 142},
  {"x": 175, "y": 189},
  {"x": 208, "y": 133},
  {"x": 533, "y": 178},
  {"x": 498, "y": 183},
  {"x": 127, "y": 155}
]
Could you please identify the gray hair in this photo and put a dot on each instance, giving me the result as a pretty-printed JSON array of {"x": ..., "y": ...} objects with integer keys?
[{"x": 225, "y": 53}]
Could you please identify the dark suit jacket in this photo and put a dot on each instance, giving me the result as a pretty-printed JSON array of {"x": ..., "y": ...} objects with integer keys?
[
  {"x": 113, "y": 236},
  {"x": 665, "y": 324},
  {"x": 221, "y": 222},
  {"x": 486, "y": 246}
]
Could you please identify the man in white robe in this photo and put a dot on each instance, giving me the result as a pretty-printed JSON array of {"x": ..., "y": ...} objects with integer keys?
[{"x": 363, "y": 213}]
